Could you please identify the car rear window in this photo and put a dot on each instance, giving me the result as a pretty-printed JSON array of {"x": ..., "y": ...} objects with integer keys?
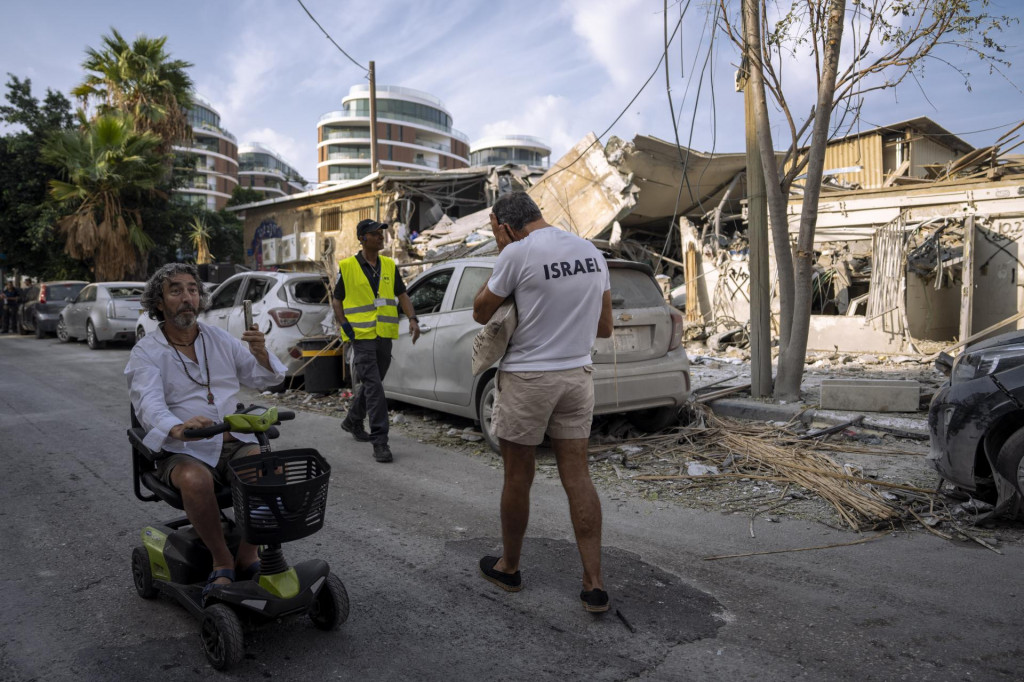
[
  {"x": 58, "y": 292},
  {"x": 124, "y": 292},
  {"x": 309, "y": 291},
  {"x": 634, "y": 289}
]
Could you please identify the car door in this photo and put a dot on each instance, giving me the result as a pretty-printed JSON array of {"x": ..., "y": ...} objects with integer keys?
[
  {"x": 222, "y": 300},
  {"x": 77, "y": 312},
  {"x": 255, "y": 289},
  {"x": 454, "y": 332},
  {"x": 412, "y": 365}
]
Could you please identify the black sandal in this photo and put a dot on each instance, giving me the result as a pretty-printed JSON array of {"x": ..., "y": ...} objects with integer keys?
[
  {"x": 510, "y": 582},
  {"x": 228, "y": 573}
]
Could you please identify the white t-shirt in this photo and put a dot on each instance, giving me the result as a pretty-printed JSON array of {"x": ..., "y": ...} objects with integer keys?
[
  {"x": 164, "y": 396},
  {"x": 558, "y": 280}
]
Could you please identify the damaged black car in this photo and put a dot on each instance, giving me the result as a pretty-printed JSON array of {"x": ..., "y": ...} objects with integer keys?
[{"x": 977, "y": 422}]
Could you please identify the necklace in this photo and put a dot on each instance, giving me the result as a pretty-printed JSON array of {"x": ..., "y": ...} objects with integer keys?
[{"x": 206, "y": 364}]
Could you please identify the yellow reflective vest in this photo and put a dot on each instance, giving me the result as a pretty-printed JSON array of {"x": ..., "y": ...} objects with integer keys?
[{"x": 370, "y": 316}]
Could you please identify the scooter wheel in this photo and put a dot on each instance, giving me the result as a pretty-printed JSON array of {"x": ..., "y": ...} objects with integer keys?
[
  {"x": 222, "y": 636},
  {"x": 142, "y": 573},
  {"x": 330, "y": 608}
]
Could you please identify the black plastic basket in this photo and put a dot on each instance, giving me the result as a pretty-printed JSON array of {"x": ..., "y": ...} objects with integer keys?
[{"x": 280, "y": 496}]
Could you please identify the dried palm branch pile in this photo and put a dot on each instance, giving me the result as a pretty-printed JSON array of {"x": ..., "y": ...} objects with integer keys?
[{"x": 746, "y": 450}]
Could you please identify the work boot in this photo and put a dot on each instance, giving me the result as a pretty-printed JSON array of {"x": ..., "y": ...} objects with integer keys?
[
  {"x": 356, "y": 429},
  {"x": 382, "y": 453}
]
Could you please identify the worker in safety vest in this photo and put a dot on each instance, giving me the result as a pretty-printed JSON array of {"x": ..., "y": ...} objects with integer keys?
[{"x": 366, "y": 301}]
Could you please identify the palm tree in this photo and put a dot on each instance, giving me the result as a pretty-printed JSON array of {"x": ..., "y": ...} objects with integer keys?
[
  {"x": 142, "y": 80},
  {"x": 104, "y": 163},
  {"x": 199, "y": 235}
]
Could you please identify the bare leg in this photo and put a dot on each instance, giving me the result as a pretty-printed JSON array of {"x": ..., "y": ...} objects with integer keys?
[
  {"x": 195, "y": 482},
  {"x": 520, "y": 465},
  {"x": 584, "y": 505}
]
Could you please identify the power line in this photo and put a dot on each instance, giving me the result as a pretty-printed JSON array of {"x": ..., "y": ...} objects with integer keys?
[{"x": 331, "y": 39}]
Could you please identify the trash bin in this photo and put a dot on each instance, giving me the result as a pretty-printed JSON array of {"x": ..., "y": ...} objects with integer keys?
[{"x": 326, "y": 367}]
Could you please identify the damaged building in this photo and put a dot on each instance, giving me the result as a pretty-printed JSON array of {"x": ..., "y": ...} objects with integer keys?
[{"x": 917, "y": 242}]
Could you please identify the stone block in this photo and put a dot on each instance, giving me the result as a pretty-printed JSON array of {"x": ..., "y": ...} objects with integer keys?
[{"x": 870, "y": 395}]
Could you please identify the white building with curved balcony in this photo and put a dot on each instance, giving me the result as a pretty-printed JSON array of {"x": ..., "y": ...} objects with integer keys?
[
  {"x": 262, "y": 169},
  {"x": 414, "y": 132},
  {"x": 498, "y": 150},
  {"x": 215, "y": 152}
]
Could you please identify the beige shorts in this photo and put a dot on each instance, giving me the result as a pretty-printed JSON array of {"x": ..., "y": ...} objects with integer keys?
[
  {"x": 232, "y": 449},
  {"x": 529, "y": 404}
]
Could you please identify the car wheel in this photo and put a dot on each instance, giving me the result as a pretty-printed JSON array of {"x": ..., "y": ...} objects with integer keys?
[
  {"x": 654, "y": 419},
  {"x": 140, "y": 331},
  {"x": 62, "y": 331},
  {"x": 485, "y": 411},
  {"x": 39, "y": 329},
  {"x": 90, "y": 337},
  {"x": 1010, "y": 461}
]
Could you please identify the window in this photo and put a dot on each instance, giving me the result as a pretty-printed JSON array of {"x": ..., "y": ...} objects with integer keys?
[
  {"x": 429, "y": 293},
  {"x": 225, "y": 297},
  {"x": 88, "y": 295},
  {"x": 469, "y": 286},
  {"x": 124, "y": 292},
  {"x": 257, "y": 288},
  {"x": 308, "y": 291},
  {"x": 634, "y": 289}
]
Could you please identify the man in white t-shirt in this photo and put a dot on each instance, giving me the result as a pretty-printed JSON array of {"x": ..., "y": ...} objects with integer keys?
[{"x": 545, "y": 381}]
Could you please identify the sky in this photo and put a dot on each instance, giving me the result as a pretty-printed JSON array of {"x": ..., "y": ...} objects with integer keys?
[{"x": 555, "y": 69}]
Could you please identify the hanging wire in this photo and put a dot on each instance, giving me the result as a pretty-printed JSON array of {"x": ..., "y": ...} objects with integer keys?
[{"x": 332, "y": 39}]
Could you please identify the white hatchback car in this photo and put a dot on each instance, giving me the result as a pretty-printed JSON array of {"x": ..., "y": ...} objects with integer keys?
[
  {"x": 642, "y": 371},
  {"x": 287, "y": 306}
]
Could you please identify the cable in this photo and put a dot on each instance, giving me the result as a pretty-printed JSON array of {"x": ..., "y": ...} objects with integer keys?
[
  {"x": 621, "y": 114},
  {"x": 332, "y": 39}
]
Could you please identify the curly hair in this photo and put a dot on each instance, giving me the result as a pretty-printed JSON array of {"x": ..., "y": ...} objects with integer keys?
[{"x": 154, "y": 292}]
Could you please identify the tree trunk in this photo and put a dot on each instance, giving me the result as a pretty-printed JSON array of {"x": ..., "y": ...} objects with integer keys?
[{"x": 791, "y": 358}]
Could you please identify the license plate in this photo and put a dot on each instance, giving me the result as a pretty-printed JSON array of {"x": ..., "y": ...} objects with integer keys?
[{"x": 626, "y": 339}]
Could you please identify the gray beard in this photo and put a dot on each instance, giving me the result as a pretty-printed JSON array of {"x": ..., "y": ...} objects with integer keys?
[{"x": 185, "y": 320}]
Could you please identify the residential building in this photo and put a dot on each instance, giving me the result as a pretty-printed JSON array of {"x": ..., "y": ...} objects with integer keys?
[
  {"x": 262, "y": 169},
  {"x": 497, "y": 150},
  {"x": 414, "y": 132},
  {"x": 215, "y": 152}
]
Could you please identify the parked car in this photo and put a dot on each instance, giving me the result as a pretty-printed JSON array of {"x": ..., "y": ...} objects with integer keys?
[
  {"x": 642, "y": 370},
  {"x": 101, "y": 312},
  {"x": 977, "y": 421},
  {"x": 287, "y": 306},
  {"x": 42, "y": 304}
]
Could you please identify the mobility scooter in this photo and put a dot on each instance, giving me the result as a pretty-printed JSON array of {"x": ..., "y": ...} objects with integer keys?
[{"x": 276, "y": 497}]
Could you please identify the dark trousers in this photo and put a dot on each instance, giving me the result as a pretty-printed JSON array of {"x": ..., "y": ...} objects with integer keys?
[
  {"x": 9, "y": 323},
  {"x": 371, "y": 359}
]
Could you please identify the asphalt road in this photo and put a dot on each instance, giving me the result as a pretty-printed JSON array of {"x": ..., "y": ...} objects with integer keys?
[{"x": 405, "y": 539}]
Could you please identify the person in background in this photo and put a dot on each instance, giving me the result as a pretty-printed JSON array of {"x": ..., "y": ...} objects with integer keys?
[
  {"x": 366, "y": 300},
  {"x": 11, "y": 298}
]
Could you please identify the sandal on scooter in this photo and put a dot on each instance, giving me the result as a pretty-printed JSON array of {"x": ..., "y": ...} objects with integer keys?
[
  {"x": 228, "y": 573},
  {"x": 251, "y": 572}
]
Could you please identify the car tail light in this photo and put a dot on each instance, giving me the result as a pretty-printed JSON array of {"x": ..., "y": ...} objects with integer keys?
[
  {"x": 676, "y": 339},
  {"x": 42, "y": 294},
  {"x": 111, "y": 313},
  {"x": 285, "y": 317}
]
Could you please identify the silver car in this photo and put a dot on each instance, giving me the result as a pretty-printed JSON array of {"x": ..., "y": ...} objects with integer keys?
[
  {"x": 101, "y": 312},
  {"x": 642, "y": 370},
  {"x": 287, "y": 306}
]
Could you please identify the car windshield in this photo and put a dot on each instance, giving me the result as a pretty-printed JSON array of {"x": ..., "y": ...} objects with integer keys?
[
  {"x": 58, "y": 292},
  {"x": 634, "y": 289},
  {"x": 124, "y": 292},
  {"x": 310, "y": 291}
]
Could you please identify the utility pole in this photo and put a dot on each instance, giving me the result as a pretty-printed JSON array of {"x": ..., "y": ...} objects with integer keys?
[
  {"x": 757, "y": 219},
  {"x": 373, "y": 119}
]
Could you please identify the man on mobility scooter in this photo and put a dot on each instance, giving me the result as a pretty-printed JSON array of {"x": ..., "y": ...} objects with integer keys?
[{"x": 187, "y": 377}]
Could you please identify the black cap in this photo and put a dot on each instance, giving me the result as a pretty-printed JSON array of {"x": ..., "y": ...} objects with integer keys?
[{"x": 367, "y": 226}]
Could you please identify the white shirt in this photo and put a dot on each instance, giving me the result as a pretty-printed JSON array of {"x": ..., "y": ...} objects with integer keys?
[
  {"x": 559, "y": 281},
  {"x": 165, "y": 397}
]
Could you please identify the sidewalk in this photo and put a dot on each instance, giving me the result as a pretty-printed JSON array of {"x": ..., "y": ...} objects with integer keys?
[{"x": 726, "y": 369}]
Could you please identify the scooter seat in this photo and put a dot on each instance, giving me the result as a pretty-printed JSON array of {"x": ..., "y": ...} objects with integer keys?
[{"x": 172, "y": 496}]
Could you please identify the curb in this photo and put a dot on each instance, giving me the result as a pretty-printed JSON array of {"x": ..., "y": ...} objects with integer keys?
[{"x": 898, "y": 424}]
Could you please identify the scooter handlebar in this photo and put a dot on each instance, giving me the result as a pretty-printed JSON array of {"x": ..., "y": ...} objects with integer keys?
[{"x": 214, "y": 429}]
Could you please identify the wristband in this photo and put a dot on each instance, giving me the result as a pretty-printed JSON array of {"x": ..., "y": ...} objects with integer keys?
[{"x": 414, "y": 319}]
